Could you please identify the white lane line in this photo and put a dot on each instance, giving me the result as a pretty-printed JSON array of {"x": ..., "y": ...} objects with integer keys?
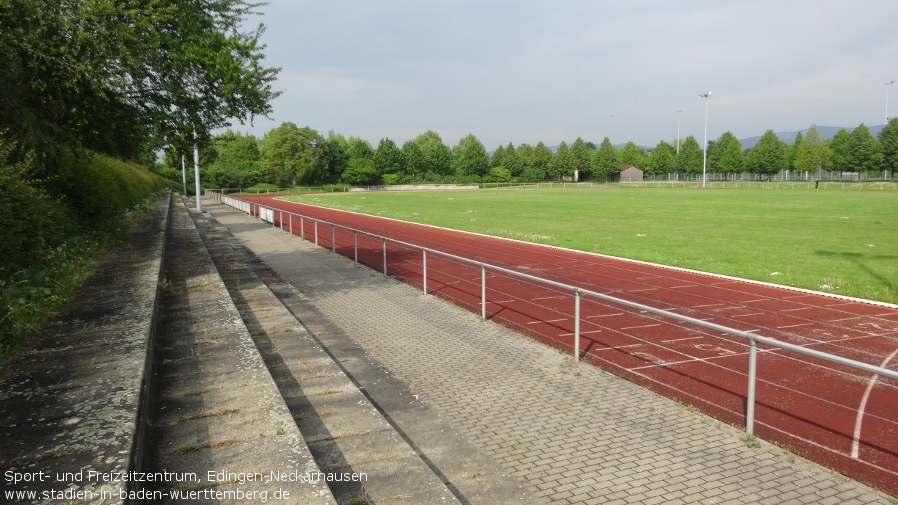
[
  {"x": 636, "y": 327},
  {"x": 549, "y": 321},
  {"x": 685, "y": 286},
  {"x": 796, "y": 310},
  {"x": 756, "y": 300},
  {"x": 605, "y": 315},
  {"x": 708, "y": 305},
  {"x": 641, "y": 290},
  {"x": 856, "y": 443},
  {"x": 747, "y": 315},
  {"x": 581, "y": 333},
  {"x": 619, "y": 347},
  {"x": 793, "y": 325},
  {"x": 550, "y": 297},
  {"x": 681, "y": 339}
]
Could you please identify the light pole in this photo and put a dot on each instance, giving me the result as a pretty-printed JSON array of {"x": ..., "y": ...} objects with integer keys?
[
  {"x": 705, "y": 145},
  {"x": 888, "y": 84},
  {"x": 678, "y": 128}
]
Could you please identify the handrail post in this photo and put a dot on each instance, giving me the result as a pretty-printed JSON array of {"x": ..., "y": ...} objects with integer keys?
[
  {"x": 334, "y": 238},
  {"x": 483, "y": 291},
  {"x": 302, "y": 227},
  {"x": 577, "y": 325},
  {"x": 290, "y": 217},
  {"x": 752, "y": 379},
  {"x": 281, "y": 220},
  {"x": 424, "y": 269},
  {"x": 316, "y": 232},
  {"x": 385, "y": 256},
  {"x": 355, "y": 244}
]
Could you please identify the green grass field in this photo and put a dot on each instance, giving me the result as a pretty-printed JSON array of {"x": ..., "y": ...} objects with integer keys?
[{"x": 835, "y": 241}]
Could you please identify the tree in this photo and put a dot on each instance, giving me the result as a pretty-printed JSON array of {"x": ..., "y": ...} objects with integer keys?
[
  {"x": 662, "y": 159},
  {"x": 562, "y": 164},
  {"x": 511, "y": 161},
  {"x": 335, "y": 156},
  {"x": 542, "y": 158},
  {"x": 437, "y": 155},
  {"x": 792, "y": 151},
  {"x": 866, "y": 152},
  {"x": 690, "y": 158},
  {"x": 292, "y": 155},
  {"x": 388, "y": 158},
  {"x": 631, "y": 154},
  {"x": 359, "y": 148},
  {"x": 580, "y": 152},
  {"x": 469, "y": 159},
  {"x": 888, "y": 138},
  {"x": 768, "y": 156},
  {"x": 413, "y": 161},
  {"x": 360, "y": 172},
  {"x": 109, "y": 75},
  {"x": 813, "y": 154},
  {"x": 726, "y": 155},
  {"x": 841, "y": 148},
  {"x": 233, "y": 161},
  {"x": 604, "y": 160}
]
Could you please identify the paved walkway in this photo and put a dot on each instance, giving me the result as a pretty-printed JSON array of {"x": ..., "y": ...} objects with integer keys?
[{"x": 569, "y": 434}]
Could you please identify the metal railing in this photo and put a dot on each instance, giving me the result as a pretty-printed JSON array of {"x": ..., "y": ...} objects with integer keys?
[{"x": 267, "y": 214}]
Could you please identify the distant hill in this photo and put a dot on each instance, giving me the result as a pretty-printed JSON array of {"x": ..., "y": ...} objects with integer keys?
[{"x": 826, "y": 132}]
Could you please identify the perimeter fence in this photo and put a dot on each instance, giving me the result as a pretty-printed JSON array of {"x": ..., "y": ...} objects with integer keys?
[{"x": 375, "y": 248}]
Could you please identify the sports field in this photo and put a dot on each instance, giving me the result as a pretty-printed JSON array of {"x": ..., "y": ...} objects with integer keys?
[{"x": 842, "y": 242}]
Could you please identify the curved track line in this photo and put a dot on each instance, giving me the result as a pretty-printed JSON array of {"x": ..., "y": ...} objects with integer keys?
[{"x": 856, "y": 443}]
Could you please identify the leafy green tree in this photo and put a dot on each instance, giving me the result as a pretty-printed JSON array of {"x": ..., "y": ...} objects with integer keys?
[
  {"x": 580, "y": 151},
  {"x": 388, "y": 158},
  {"x": 233, "y": 162},
  {"x": 768, "y": 156},
  {"x": 511, "y": 161},
  {"x": 437, "y": 155},
  {"x": 813, "y": 154},
  {"x": 359, "y": 148},
  {"x": 662, "y": 159},
  {"x": 497, "y": 159},
  {"x": 866, "y": 152},
  {"x": 360, "y": 172},
  {"x": 631, "y": 154},
  {"x": 691, "y": 158},
  {"x": 413, "y": 160},
  {"x": 605, "y": 160},
  {"x": 888, "y": 138},
  {"x": 128, "y": 77},
  {"x": 335, "y": 156},
  {"x": 292, "y": 155},
  {"x": 542, "y": 158},
  {"x": 562, "y": 164},
  {"x": 792, "y": 151},
  {"x": 469, "y": 159},
  {"x": 726, "y": 155},
  {"x": 841, "y": 149}
]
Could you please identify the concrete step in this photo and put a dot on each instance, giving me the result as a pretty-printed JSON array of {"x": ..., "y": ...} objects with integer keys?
[
  {"x": 345, "y": 431},
  {"x": 220, "y": 428}
]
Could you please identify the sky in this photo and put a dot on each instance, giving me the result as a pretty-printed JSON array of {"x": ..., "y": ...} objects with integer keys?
[{"x": 524, "y": 71}]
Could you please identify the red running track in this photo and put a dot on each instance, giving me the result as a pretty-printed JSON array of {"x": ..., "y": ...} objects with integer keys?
[{"x": 837, "y": 416}]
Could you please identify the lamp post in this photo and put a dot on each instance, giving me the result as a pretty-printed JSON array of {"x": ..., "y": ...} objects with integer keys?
[
  {"x": 678, "y": 129},
  {"x": 888, "y": 84},
  {"x": 705, "y": 145}
]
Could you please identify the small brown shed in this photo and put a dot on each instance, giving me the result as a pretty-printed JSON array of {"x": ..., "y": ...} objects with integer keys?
[{"x": 626, "y": 173}]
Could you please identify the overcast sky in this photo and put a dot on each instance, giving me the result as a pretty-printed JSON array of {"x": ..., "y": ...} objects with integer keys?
[{"x": 522, "y": 71}]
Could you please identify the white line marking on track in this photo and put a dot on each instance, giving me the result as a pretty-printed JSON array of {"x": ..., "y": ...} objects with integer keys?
[
  {"x": 793, "y": 326},
  {"x": 680, "y": 340},
  {"x": 747, "y": 315},
  {"x": 795, "y": 310},
  {"x": 619, "y": 347},
  {"x": 756, "y": 300},
  {"x": 856, "y": 443},
  {"x": 581, "y": 333},
  {"x": 708, "y": 305},
  {"x": 636, "y": 327},
  {"x": 641, "y": 290},
  {"x": 605, "y": 315},
  {"x": 550, "y": 297},
  {"x": 549, "y": 321},
  {"x": 685, "y": 286}
]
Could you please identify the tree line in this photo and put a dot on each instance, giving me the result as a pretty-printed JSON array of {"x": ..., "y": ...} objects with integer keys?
[{"x": 289, "y": 155}]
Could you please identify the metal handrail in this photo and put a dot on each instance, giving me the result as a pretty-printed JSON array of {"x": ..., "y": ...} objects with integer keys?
[{"x": 753, "y": 338}]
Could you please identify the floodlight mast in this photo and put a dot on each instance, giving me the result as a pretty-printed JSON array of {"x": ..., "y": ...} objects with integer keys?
[
  {"x": 678, "y": 128},
  {"x": 705, "y": 145},
  {"x": 888, "y": 84}
]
